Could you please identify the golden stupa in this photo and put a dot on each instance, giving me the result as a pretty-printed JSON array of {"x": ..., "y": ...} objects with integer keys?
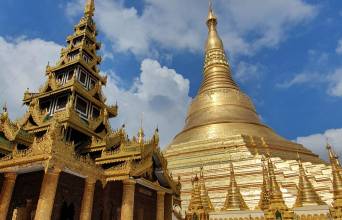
[{"x": 222, "y": 127}]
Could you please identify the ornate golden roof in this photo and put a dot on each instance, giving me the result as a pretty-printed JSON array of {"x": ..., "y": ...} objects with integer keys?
[{"x": 221, "y": 110}]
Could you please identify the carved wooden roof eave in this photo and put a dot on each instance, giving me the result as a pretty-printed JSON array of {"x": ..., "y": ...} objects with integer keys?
[
  {"x": 51, "y": 150},
  {"x": 81, "y": 61},
  {"x": 4, "y": 150},
  {"x": 71, "y": 117},
  {"x": 13, "y": 132},
  {"x": 77, "y": 87}
]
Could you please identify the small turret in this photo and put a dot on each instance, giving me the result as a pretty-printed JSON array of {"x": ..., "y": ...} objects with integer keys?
[
  {"x": 156, "y": 136},
  {"x": 277, "y": 207},
  {"x": 265, "y": 189},
  {"x": 204, "y": 193},
  {"x": 234, "y": 199},
  {"x": 4, "y": 114},
  {"x": 196, "y": 209},
  {"x": 337, "y": 184},
  {"x": 306, "y": 194}
]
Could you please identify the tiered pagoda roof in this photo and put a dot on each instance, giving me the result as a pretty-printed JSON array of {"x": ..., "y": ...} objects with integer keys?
[{"x": 67, "y": 122}]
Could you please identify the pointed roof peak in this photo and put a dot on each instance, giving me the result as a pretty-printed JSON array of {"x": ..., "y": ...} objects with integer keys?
[
  {"x": 211, "y": 14},
  {"x": 89, "y": 8},
  {"x": 207, "y": 205},
  {"x": 4, "y": 107},
  {"x": 214, "y": 41},
  {"x": 234, "y": 199},
  {"x": 306, "y": 194}
]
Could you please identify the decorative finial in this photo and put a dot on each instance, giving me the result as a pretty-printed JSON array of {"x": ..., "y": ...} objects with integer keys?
[
  {"x": 211, "y": 16},
  {"x": 4, "y": 108},
  {"x": 156, "y": 136},
  {"x": 264, "y": 201},
  {"x": 141, "y": 119},
  {"x": 210, "y": 5},
  {"x": 89, "y": 8}
]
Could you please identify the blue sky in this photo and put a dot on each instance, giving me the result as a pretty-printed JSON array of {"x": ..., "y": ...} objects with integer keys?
[{"x": 286, "y": 55}]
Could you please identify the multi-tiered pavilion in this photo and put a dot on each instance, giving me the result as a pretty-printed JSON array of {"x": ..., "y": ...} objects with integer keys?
[{"x": 63, "y": 160}]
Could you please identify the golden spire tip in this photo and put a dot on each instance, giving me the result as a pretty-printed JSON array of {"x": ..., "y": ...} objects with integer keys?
[
  {"x": 89, "y": 8},
  {"x": 211, "y": 15}
]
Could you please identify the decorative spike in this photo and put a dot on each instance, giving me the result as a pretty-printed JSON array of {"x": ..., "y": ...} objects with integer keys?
[
  {"x": 4, "y": 108},
  {"x": 337, "y": 180},
  {"x": 332, "y": 156},
  {"x": 264, "y": 201},
  {"x": 195, "y": 201},
  {"x": 277, "y": 204},
  {"x": 211, "y": 15},
  {"x": 276, "y": 196},
  {"x": 306, "y": 194},
  {"x": 207, "y": 205},
  {"x": 156, "y": 136},
  {"x": 196, "y": 206},
  {"x": 89, "y": 8},
  {"x": 234, "y": 199}
]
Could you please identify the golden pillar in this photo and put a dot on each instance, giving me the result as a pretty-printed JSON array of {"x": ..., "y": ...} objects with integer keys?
[
  {"x": 88, "y": 197},
  {"x": 127, "y": 206},
  {"x": 6, "y": 193},
  {"x": 160, "y": 205},
  {"x": 47, "y": 194}
]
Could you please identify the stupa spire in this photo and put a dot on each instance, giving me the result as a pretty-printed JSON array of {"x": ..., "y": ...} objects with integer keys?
[
  {"x": 276, "y": 196},
  {"x": 234, "y": 199},
  {"x": 141, "y": 133},
  {"x": 306, "y": 194},
  {"x": 195, "y": 201},
  {"x": 217, "y": 73},
  {"x": 277, "y": 207},
  {"x": 204, "y": 193},
  {"x": 196, "y": 209},
  {"x": 265, "y": 189},
  {"x": 337, "y": 179}
]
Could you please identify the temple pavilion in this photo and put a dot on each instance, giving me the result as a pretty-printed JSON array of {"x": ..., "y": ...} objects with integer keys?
[{"x": 62, "y": 160}]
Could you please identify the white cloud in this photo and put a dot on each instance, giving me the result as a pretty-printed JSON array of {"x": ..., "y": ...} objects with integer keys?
[
  {"x": 23, "y": 63},
  {"x": 317, "y": 142},
  {"x": 246, "y": 71},
  {"x": 335, "y": 82},
  {"x": 302, "y": 78},
  {"x": 245, "y": 26},
  {"x": 339, "y": 47},
  {"x": 332, "y": 80},
  {"x": 159, "y": 94}
]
